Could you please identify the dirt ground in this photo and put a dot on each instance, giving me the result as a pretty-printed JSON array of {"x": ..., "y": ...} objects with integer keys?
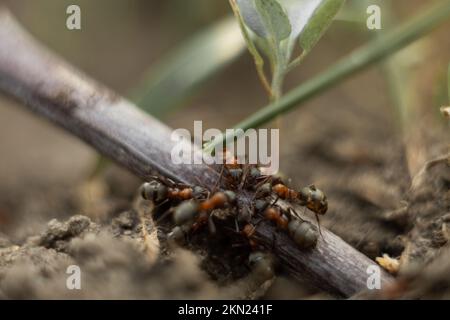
[{"x": 382, "y": 198}]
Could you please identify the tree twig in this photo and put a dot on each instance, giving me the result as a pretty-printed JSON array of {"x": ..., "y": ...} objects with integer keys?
[{"x": 116, "y": 128}]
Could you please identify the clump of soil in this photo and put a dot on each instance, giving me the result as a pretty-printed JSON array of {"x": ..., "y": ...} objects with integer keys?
[{"x": 112, "y": 266}]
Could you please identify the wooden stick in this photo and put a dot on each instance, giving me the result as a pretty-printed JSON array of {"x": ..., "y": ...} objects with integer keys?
[{"x": 116, "y": 128}]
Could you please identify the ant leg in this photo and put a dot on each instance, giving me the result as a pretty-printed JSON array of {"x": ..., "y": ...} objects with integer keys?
[
  {"x": 200, "y": 183},
  {"x": 218, "y": 180},
  {"x": 165, "y": 201},
  {"x": 236, "y": 225},
  {"x": 211, "y": 225},
  {"x": 274, "y": 241},
  {"x": 164, "y": 216},
  {"x": 318, "y": 224}
]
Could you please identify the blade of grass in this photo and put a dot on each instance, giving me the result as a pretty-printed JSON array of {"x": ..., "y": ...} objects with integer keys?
[
  {"x": 177, "y": 76},
  {"x": 362, "y": 58}
]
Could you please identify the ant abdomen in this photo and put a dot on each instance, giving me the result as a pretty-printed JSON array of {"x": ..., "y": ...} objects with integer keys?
[
  {"x": 303, "y": 233},
  {"x": 178, "y": 234},
  {"x": 185, "y": 212}
]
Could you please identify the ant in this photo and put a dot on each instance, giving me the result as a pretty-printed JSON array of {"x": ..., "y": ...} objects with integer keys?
[
  {"x": 314, "y": 199},
  {"x": 178, "y": 233},
  {"x": 248, "y": 232},
  {"x": 199, "y": 212},
  {"x": 161, "y": 190},
  {"x": 262, "y": 265},
  {"x": 311, "y": 197},
  {"x": 302, "y": 232}
]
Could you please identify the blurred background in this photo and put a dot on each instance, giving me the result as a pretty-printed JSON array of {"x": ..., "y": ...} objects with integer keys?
[{"x": 349, "y": 140}]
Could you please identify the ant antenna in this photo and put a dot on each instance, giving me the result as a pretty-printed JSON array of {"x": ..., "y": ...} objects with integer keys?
[
  {"x": 164, "y": 216},
  {"x": 160, "y": 204},
  {"x": 244, "y": 177}
]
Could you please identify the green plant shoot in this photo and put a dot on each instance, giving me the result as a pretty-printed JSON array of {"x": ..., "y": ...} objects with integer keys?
[{"x": 274, "y": 29}]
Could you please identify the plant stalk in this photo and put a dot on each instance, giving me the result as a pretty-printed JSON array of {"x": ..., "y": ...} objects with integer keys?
[{"x": 360, "y": 59}]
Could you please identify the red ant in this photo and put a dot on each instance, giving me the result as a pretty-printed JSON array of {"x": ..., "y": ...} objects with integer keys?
[
  {"x": 161, "y": 190},
  {"x": 198, "y": 213},
  {"x": 311, "y": 197}
]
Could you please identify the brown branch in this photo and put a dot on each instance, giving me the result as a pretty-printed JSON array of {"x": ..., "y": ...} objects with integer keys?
[{"x": 115, "y": 127}]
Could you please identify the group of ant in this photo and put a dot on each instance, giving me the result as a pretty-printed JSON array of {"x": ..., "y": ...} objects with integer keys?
[{"x": 196, "y": 207}]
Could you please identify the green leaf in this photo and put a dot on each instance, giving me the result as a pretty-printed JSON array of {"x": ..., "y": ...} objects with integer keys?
[
  {"x": 274, "y": 19},
  {"x": 318, "y": 23},
  {"x": 251, "y": 17},
  {"x": 299, "y": 13},
  {"x": 266, "y": 18}
]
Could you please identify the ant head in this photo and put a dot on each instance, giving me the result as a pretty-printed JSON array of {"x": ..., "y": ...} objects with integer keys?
[
  {"x": 260, "y": 205},
  {"x": 317, "y": 194},
  {"x": 305, "y": 194},
  {"x": 264, "y": 190},
  {"x": 154, "y": 191},
  {"x": 303, "y": 233},
  {"x": 176, "y": 235},
  {"x": 319, "y": 201},
  {"x": 199, "y": 192}
]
